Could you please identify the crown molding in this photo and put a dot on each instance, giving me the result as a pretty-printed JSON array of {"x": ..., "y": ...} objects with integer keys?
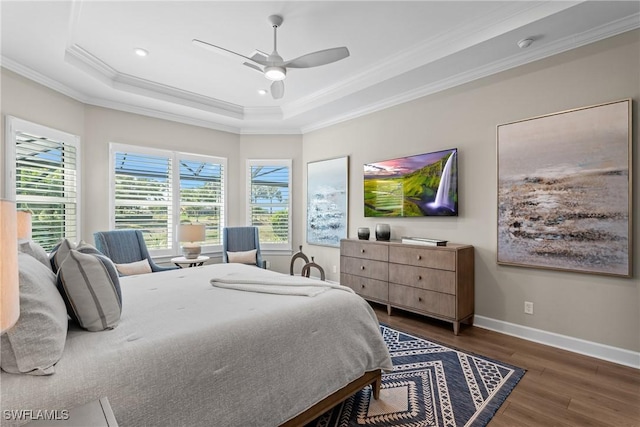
[
  {"x": 599, "y": 33},
  {"x": 39, "y": 78},
  {"x": 94, "y": 66},
  {"x": 257, "y": 114}
]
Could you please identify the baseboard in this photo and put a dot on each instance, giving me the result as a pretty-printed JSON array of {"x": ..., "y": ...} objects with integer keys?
[{"x": 576, "y": 345}]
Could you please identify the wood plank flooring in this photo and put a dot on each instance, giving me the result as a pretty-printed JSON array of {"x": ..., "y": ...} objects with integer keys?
[{"x": 560, "y": 388}]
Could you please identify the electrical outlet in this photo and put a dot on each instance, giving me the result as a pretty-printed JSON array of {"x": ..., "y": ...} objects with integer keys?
[
  {"x": 528, "y": 307},
  {"x": 268, "y": 265},
  {"x": 334, "y": 269}
]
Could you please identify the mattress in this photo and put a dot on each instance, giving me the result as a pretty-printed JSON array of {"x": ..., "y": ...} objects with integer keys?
[{"x": 186, "y": 353}]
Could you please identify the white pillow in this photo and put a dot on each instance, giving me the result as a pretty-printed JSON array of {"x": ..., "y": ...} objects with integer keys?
[
  {"x": 133, "y": 268},
  {"x": 244, "y": 257},
  {"x": 35, "y": 250},
  {"x": 36, "y": 342}
]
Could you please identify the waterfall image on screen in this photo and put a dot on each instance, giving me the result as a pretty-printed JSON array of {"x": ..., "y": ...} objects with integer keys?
[{"x": 420, "y": 185}]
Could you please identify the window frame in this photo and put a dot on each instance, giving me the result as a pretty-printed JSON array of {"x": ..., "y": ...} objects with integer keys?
[
  {"x": 288, "y": 163},
  {"x": 13, "y": 125},
  {"x": 174, "y": 206}
]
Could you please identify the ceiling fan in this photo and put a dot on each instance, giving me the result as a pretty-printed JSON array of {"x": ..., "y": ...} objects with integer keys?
[{"x": 273, "y": 66}]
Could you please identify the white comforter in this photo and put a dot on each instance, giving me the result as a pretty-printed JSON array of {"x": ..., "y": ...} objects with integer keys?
[{"x": 187, "y": 353}]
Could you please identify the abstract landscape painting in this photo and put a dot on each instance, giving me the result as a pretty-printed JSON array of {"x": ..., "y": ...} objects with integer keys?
[
  {"x": 564, "y": 190},
  {"x": 327, "y": 201}
]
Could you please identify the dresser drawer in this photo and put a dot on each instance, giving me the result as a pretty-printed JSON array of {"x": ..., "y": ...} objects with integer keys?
[
  {"x": 367, "y": 288},
  {"x": 365, "y": 268},
  {"x": 425, "y": 278},
  {"x": 435, "y": 257},
  {"x": 436, "y": 303},
  {"x": 364, "y": 249}
]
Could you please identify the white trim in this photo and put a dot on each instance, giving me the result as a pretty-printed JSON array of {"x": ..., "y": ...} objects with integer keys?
[
  {"x": 14, "y": 125},
  {"x": 576, "y": 345}
]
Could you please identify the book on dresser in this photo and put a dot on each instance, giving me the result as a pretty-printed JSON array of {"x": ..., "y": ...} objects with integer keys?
[
  {"x": 435, "y": 281},
  {"x": 423, "y": 241}
]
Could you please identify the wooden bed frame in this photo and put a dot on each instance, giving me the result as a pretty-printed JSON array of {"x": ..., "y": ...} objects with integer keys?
[{"x": 372, "y": 377}]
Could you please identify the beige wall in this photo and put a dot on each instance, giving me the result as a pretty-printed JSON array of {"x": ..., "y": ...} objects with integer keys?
[{"x": 595, "y": 308}]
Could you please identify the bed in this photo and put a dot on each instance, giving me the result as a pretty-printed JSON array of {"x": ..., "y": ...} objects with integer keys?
[{"x": 187, "y": 353}]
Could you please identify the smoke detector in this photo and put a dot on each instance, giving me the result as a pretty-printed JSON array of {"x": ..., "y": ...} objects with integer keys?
[{"x": 525, "y": 43}]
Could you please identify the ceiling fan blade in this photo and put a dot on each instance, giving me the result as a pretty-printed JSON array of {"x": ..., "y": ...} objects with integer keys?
[
  {"x": 321, "y": 57},
  {"x": 253, "y": 67},
  {"x": 260, "y": 57},
  {"x": 277, "y": 89},
  {"x": 218, "y": 49}
]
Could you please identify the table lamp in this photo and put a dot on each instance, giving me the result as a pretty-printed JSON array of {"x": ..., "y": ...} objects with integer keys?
[
  {"x": 190, "y": 234},
  {"x": 24, "y": 225},
  {"x": 9, "y": 287}
]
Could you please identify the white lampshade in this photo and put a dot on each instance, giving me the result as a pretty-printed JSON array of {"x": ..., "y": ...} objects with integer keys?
[
  {"x": 9, "y": 287},
  {"x": 24, "y": 225},
  {"x": 192, "y": 232}
]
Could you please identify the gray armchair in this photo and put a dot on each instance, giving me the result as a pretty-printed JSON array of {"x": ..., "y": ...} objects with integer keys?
[
  {"x": 241, "y": 239},
  {"x": 125, "y": 246}
]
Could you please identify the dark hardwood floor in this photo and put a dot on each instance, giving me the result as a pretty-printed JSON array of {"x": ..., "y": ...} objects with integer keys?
[{"x": 560, "y": 388}]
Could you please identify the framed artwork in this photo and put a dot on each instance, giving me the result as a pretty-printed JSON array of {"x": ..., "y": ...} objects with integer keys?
[
  {"x": 564, "y": 191},
  {"x": 327, "y": 201}
]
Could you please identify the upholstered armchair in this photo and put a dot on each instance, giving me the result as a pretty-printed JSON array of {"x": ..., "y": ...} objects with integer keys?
[
  {"x": 241, "y": 239},
  {"x": 125, "y": 246}
]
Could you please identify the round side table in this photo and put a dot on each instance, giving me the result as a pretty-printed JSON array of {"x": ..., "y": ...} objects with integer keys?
[{"x": 189, "y": 262}]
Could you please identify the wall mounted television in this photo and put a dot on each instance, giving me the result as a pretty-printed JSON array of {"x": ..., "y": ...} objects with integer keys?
[{"x": 420, "y": 185}]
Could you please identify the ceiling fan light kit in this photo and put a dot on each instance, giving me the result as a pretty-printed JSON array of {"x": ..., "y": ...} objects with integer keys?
[
  {"x": 275, "y": 68},
  {"x": 275, "y": 73}
]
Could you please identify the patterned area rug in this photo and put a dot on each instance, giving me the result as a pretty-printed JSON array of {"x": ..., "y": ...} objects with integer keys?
[{"x": 431, "y": 385}]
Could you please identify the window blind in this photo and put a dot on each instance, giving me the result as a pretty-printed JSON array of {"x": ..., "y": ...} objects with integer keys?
[
  {"x": 46, "y": 184},
  {"x": 270, "y": 201}
]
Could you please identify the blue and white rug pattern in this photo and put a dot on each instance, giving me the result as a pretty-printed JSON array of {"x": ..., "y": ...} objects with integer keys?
[{"x": 431, "y": 386}]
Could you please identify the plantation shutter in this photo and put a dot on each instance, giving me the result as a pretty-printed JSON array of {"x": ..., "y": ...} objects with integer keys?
[
  {"x": 143, "y": 196},
  {"x": 269, "y": 202},
  {"x": 46, "y": 184},
  {"x": 202, "y": 196}
]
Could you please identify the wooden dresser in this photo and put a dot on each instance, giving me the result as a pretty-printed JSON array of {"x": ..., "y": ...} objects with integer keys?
[{"x": 436, "y": 281}]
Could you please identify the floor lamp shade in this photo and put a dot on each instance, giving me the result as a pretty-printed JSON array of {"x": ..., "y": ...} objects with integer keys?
[
  {"x": 189, "y": 234},
  {"x": 9, "y": 288}
]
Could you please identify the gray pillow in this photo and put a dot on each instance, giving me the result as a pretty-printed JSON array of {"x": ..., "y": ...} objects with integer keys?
[
  {"x": 87, "y": 248},
  {"x": 36, "y": 342},
  {"x": 59, "y": 253},
  {"x": 35, "y": 250},
  {"x": 90, "y": 288}
]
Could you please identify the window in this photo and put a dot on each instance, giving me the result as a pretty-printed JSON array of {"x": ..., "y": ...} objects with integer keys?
[
  {"x": 44, "y": 175},
  {"x": 269, "y": 192},
  {"x": 156, "y": 190}
]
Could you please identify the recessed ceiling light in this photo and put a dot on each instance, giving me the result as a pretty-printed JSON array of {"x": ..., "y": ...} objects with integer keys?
[
  {"x": 262, "y": 91},
  {"x": 140, "y": 51}
]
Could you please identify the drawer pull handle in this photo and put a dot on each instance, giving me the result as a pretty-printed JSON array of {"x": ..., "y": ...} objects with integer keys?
[
  {"x": 362, "y": 286},
  {"x": 362, "y": 250},
  {"x": 419, "y": 277},
  {"x": 419, "y": 299},
  {"x": 419, "y": 257},
  {"x": 362, "y": 267}
]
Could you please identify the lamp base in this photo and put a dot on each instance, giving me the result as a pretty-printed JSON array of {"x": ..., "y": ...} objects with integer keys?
[{"x": 191, "y": 251}]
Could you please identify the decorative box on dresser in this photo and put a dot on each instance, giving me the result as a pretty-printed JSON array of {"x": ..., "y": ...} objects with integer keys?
[{"x": 437, "y": 281}]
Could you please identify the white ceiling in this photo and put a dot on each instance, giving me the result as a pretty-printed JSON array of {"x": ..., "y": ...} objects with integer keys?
[{"x": 400, "y": 50}]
